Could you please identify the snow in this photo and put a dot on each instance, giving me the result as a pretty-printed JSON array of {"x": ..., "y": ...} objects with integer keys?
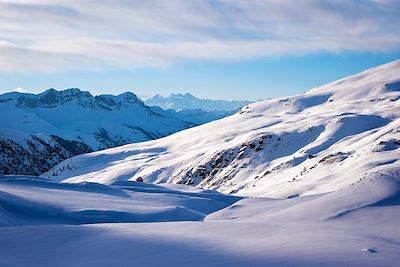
[
  {"x": 45, "y": 223},
  {"x": 196, "y": 244},
  {"x": 80, "y": 122},
  {"x": 314, "y": 180},
  {"x": 274, "y": 148},
  {"x": 31, "y": 200},
  {"x": 77, "y": 115},
  {"x": 71, "y": 122}
]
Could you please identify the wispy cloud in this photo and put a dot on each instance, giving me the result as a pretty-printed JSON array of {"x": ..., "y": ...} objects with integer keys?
[{"x": 53, "y": 35}]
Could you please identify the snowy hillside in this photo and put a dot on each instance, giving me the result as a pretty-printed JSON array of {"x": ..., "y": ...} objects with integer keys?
[
  {"x": 321, "y": 141},
  {"x": 31, "y": 200},
  {"x": 181, "y": 102},
  {"x": 39, "y": 131},
  {"x": 45, "y": 223}
]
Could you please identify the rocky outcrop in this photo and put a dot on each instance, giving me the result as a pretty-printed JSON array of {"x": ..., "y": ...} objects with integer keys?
[{"x": 37, "y": 155}]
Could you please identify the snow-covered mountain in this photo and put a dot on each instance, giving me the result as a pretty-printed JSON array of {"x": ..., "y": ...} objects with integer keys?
[
  {"x": 329, "y": 157},
  {"x": 39, "y": 131},
  {"x": 324, "y": 140},
  {"x": 181, "y": 102}
]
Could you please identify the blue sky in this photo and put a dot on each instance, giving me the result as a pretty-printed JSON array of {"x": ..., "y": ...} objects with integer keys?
[{"x": 213, "y": 49}]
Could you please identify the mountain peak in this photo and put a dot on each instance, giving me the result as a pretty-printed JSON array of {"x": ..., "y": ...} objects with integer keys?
[
  {"x": 181, "y": 95},
  {"x": 67, "y": 92},
  {"x": 76, "y": 92},
  {"x": 128, "y": 95}
]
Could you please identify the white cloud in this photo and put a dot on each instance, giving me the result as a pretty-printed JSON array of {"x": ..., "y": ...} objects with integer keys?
[
  {"x": 19, "y": 89},
  {"x": 56, "y": 35}
]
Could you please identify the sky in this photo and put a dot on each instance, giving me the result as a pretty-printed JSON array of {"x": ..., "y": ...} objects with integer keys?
[{"x": 227, "y": 49}]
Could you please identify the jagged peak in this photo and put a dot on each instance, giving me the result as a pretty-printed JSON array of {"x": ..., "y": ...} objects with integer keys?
[
  {"x": 49, "y": 91},
  {"x": 128, "y": 94},
  {"x": 51, "y": 98},
  {"x": 182, "y": 95},
  {"x": 77, "y": 91},
  {"x": 68, "y": 92},
  {"x": 128, "y": 97}
]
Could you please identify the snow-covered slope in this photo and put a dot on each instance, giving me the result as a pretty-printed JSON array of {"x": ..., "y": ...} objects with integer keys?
[
  {"x": 45, "y": 223},
  {"x": 31, "y": 200},
  {"x": 39, "y": 131},
  {"x": 320, "y": 141},
  {"x": 181, "y": 102}
]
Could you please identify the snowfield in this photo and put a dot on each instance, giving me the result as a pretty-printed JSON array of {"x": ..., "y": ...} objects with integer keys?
[
  {"x": 45, "y": 223},
  {"x": 29, "y": 200},
  {"x": 308, "y": 180}
]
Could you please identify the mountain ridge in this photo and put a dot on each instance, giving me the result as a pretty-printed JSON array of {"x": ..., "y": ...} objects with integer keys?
[
  {"x": 179, "y": 102},
  {"x": 54, "y": 125},
  {"x": 273, "y": 148}
]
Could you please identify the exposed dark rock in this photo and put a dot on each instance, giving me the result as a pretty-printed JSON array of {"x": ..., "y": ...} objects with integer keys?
[{"x": 38, "y": 155}]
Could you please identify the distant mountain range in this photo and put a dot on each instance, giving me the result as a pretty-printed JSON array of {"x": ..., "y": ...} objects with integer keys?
[
  {"x": 39, "y": 131},
  {"x": 181, "y": 102}
]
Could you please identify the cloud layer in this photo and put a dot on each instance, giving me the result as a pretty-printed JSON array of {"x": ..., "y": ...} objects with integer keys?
[{"x": 54, "y": 35}]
